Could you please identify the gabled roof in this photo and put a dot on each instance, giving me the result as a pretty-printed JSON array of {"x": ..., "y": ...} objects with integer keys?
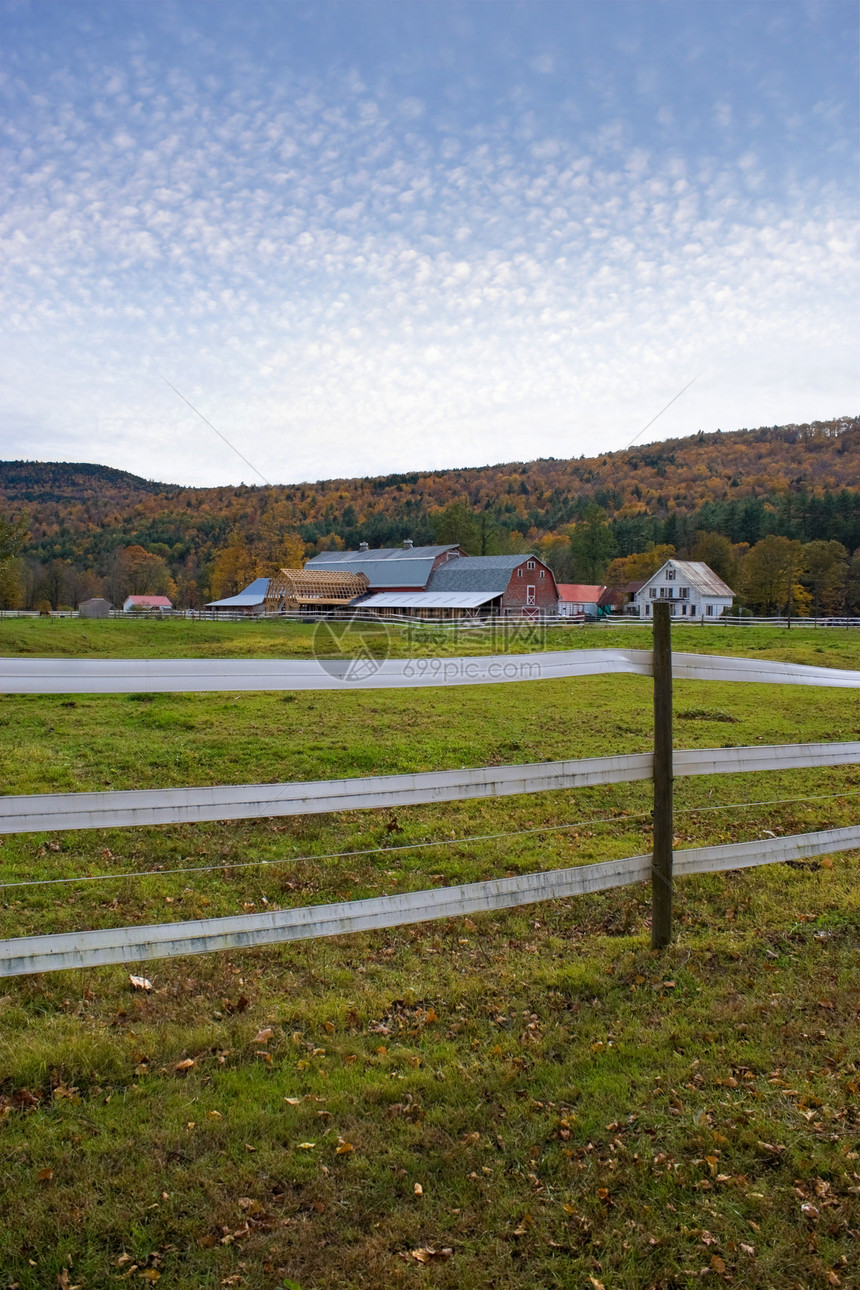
[
  {"x": 699, "y": 576},
  {"x": 398, "y": 566},
  {"x": 254, "y": 594},
  {"x": 490, "y": 573},
  {"x": 149, "y": 602},
  {"x": 580, "y": 592},
  {"x": 381, "y": 553}
]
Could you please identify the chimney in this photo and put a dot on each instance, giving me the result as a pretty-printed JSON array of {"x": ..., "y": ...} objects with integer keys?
[
  {"x": 362, "y": 546},
  {"x": 407, "y": 542}
]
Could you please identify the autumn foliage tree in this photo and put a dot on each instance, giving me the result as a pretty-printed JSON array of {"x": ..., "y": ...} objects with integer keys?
[
  {"x": 771, "y": 580},
  {"x": 639, "y": 566}
]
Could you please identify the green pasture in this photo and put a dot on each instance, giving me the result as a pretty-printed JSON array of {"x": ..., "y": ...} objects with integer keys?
[{"x": 529, "y": 1100}]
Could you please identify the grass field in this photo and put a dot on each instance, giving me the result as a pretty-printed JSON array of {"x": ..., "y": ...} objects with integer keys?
[{"x": 525, "y": 1100}]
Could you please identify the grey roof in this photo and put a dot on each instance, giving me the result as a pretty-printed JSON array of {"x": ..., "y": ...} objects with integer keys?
[
  {"x": 380, "y": 553},
  {"x": 699, "y": 575},
  {"x": 254, "y": 594},
  {"x": 490, "y": 573},
  {"x": 397, "y": 566},
  {"x": 427, "y": 600}
]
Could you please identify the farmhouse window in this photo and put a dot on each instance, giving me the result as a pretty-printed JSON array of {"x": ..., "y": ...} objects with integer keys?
[
  {"x": 670, "y": 575},
  {"x": 531, "y": 564},
  {"x": 530, "y": 595},
  {"x": 541, "y": 573},
  {"x": 653, "y": 593},
  {"x": 684, "y": 593}
]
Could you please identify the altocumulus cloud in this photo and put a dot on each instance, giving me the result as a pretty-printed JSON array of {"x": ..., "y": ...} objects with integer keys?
[{"x": 349, "y": 281}]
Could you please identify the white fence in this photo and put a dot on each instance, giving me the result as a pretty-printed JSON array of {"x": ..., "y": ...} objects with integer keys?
[
  {"x": 133, "y": 808},
  {"x": 131, "y": 944}
]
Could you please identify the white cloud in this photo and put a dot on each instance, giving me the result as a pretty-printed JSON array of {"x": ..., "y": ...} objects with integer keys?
[{"x": 343, "y": 294}]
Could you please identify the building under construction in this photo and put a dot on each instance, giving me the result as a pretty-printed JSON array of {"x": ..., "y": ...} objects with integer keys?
[{"x": 313, "y": 589}]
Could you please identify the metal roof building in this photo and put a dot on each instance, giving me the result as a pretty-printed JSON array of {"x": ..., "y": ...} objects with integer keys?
[
  {"x": 404, "y": 567},
  {"x": 253, "y": 597}
]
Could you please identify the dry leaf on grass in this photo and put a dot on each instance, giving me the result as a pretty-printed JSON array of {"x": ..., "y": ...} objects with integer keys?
[
  {"x": 249, "y": 1205},
  {"x": 185, "y": 1065},
  {"x": 428, "y": 1255},
  {"x": 263, "y": 1036},
  {"x": 140, "y": 983},
  {"x": 344, "y": 1148},
  {"x": 418, "y": 1189},
  {"x": 45, "y": 1175}
]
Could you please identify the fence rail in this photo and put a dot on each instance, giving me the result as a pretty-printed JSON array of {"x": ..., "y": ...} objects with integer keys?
[
  {"x": 52, "y": 812},
  {"x": 124, "y": 676},
  {"x": 27, "y": 954}
]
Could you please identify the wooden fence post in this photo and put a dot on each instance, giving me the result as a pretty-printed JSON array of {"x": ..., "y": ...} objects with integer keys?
[{"x": 661, "y": 863}]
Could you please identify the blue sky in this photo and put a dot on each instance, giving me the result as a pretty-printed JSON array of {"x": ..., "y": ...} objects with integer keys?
[{"x": 373, "y": 237}]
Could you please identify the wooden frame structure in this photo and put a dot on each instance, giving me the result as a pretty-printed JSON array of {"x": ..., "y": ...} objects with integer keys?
[{"x": 308, "y": 588}]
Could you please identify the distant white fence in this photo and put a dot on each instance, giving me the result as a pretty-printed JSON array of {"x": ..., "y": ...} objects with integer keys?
[
  {"x": 132, "y": 944},
  {"x": 163, "y": 676}
]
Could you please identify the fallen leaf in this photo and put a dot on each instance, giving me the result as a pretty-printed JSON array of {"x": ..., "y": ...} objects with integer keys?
[
  {"x": 249, "y": 1205},
  {"x": 418, "y": 1189},
  {"x": 185, "y": 1064},
  {"x": 343, "y": 1148},
  {"x": 305, "y": 1146},
  {"x": 140, "y": 983},
  {"x": 263, "y": 1036},
  {"x": 150, "y": 1274},
  {"x": 293, "y": 1101},
  {"x": 717, "y": 1263},
  {"x": 427, "y": 1255},
  {"x": 214, "y": 1115},
  {"x": 45, "y": 1175}
]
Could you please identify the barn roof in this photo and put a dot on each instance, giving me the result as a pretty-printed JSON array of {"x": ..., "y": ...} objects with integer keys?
[
  {"x": 490, "y": 573},
  {"x": 398, "y": 566},
  {"x": 427, "y": 600},
  {"x": 254, "y": 594}
]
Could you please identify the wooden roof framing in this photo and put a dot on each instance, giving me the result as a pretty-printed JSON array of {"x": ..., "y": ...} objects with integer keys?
[{"x": 293, "y": 588}]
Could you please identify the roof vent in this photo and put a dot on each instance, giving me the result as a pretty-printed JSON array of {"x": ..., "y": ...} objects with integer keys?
[
  {"x": 362, "y": 546},
  {"x": 407, "y": 542}
]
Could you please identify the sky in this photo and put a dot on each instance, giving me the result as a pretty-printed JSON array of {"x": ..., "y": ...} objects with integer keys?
[{"x": 295, "y": 241}]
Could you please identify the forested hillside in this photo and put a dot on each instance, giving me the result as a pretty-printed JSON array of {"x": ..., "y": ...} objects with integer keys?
[{"x": 93, "y": 529}]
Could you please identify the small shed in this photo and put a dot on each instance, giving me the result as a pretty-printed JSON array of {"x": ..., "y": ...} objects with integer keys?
[
  {"x": 578, "y": 598},
  {"x": 97, "y": 607},
  {"x": 146, "y": 604},
  {"x": 313, "y": 588}
]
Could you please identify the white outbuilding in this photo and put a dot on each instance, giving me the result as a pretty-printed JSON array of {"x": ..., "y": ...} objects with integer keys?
[{"x": 692, "y": 589}]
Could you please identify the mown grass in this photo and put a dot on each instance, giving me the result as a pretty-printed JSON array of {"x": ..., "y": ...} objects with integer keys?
[{"x": 572, "y": 1109}]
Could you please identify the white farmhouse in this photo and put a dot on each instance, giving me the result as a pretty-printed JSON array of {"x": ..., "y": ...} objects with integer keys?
[{"x": 692, "y": 589}]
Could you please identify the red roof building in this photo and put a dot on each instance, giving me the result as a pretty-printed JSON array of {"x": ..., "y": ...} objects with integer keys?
[
  {"x": 153, "y": 603},
  {"x": 576, "y": 598}
]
